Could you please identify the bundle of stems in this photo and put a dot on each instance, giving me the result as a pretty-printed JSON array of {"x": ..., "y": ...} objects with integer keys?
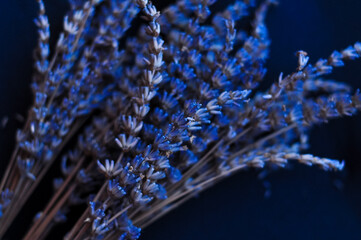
[
  {"x": 172, "y": 112},
  {"x": 67, "y": 88}
]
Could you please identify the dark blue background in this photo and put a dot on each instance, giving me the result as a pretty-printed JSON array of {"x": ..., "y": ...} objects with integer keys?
[{"x": 304, "y": 203}]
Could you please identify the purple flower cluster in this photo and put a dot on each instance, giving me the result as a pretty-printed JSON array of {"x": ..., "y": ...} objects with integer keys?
[{"x": 167, "y": 115}]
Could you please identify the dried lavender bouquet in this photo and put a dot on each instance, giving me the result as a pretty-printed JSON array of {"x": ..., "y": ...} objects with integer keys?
[{"x": 167, "y": 115}]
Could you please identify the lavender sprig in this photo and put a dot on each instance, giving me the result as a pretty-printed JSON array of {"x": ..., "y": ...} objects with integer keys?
[{"x": 171, "y": 113}]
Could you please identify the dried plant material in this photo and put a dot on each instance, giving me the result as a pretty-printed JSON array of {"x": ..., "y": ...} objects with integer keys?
[{"x": 171, "y": 112}]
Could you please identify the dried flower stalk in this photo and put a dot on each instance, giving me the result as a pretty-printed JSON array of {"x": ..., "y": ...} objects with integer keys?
[{"x": 172, "y": 112}]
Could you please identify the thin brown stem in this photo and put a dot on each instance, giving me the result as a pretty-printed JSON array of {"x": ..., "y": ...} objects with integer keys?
[
  {"x": 196, "y": 166},
  {"x": 54, "y": 199},
  {"x": 29, "y": 185},
  {"x": 120, "y": 213},
  {"x": 261, "y": 141},
  {"x": 9, "y": 169},
  {"x": 165, "y": 211},
  {"x": 175, "y": 196},
  {"x": 78, "y": 224},
  {"x": 53, "y": 212},
  {"x": 189, "y": 192},
  {"x": 81, "y": 232}
]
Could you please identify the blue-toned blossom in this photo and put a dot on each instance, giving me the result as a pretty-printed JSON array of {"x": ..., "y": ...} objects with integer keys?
[{"x": 155, "y": 118}]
